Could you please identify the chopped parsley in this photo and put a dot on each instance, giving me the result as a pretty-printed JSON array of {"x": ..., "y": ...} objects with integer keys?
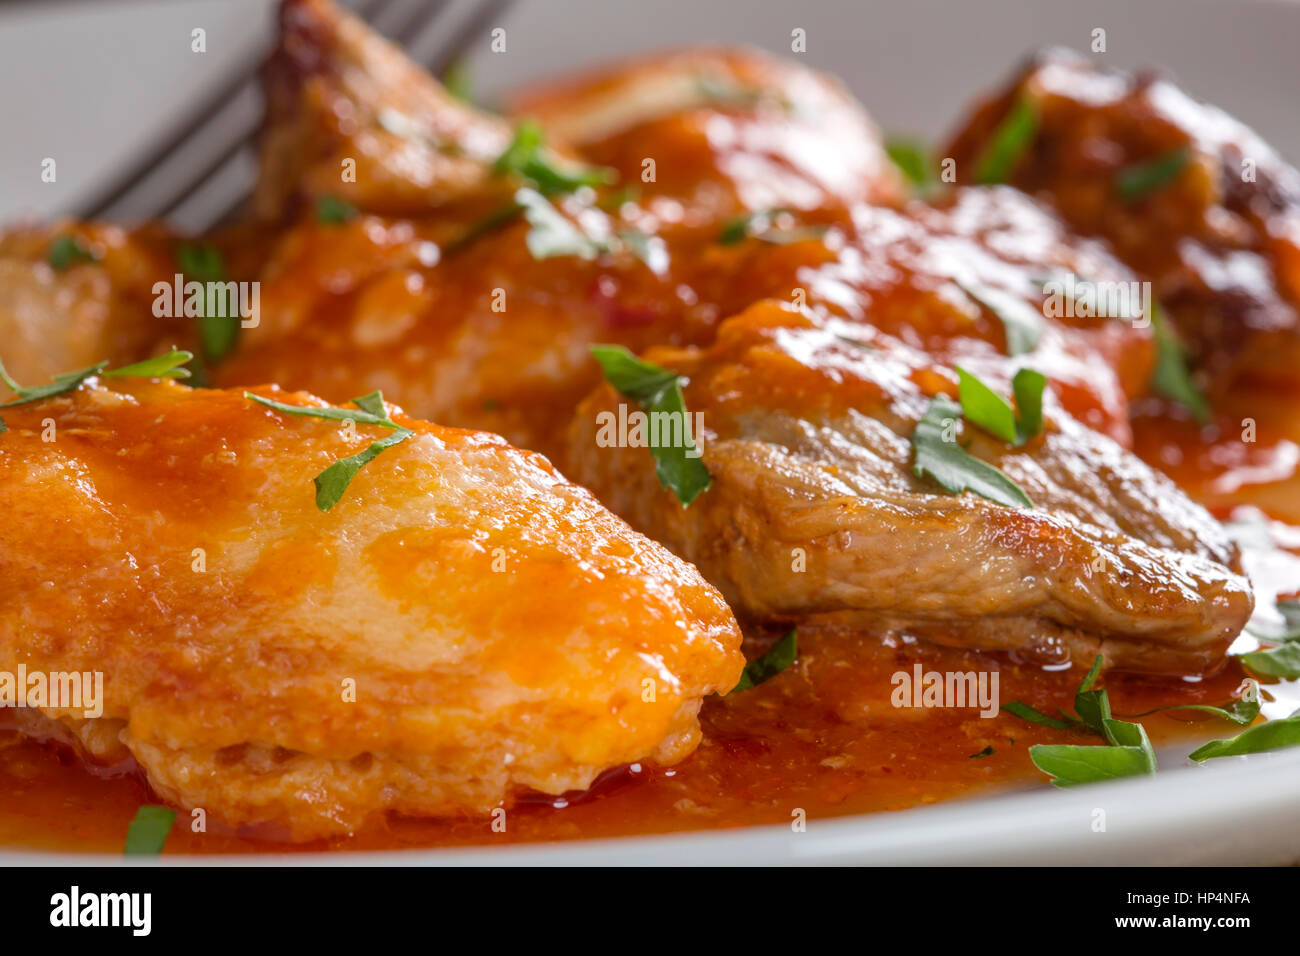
[
  {"x": 149, "y": 830},
  {"x": 998, "y": 159},
  {"x": 1141, "y": 179},
  {"x": 761, "y": 669},
  {"x": 1172, "y": 377},
  {"x": 218, "y": 332},
  {"x": 334, "y": 480},
  {"x": 1282, "y": 661},
  {"x": 162, "y": 366},
  {"x": 1127, "y": 751},
  {"x": 528, "y": 159},
  {"x": 544, "y": 175},
  {"x": 659, "y": 391},
  {"x": 990, "y": 411},
  {"x": 1242, "y": 713},
  {"x": 552, "y": 234},
  {"x": 986, "y": 752},
  {"x": 68, "y": 251},
  {"x": 915, "y": 162},
  {"x": 762, "y": 226},
  {"x": 1022, "y": 323},
  {"x": 954, "y": 468},
  {"x": 1273, "y": 735},
  {"x": 333, "y": 211}
]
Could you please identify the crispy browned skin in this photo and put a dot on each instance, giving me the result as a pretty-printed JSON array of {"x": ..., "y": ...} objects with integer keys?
[
  {"x": 462, "y": 625},
  {"x": 815, "y": 512},
  {"x": 1220, "y": 241},
  {"x": 336, "y": 92}
]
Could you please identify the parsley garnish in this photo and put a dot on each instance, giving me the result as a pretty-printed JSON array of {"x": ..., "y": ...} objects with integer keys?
[
  {"x": 334, "y": 480},
  {"x": 162, "y": 366},
  {"x": 552, "y": 234},
  {"x": 1136, "y": 181},
  {"x": 68, "y": 251},
  {"x": 990, "y": 411},
  {"x": 761, "y": 225},
  {"x": 149, "y": 830},
  {"x": 457, "y": 81},
  {"x": 333, "y": 211},
  {"x": 914, "y": 161},
  {"x": 954, "y": 468},
  {"x": 778, "y": 657},
  {"x": 1022, "y": 323},
  {"x": 1273, "y": 735},
  {"x": 1127, "y": 752},
  {"x": 1008, "y": 143},
  {"x": 1284, "y": 660},
  {"x": 528, "y": 158},
  {"x": 217, "y": 332},
  {"x": 659, "y": 391},
  {"x": 1171, "y": 377},
  {"x": 986, "y": 752}
]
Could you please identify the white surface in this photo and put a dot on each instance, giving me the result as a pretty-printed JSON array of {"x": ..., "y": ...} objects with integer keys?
[
  {"x": 1233, "y": 810},
  {"x": 92, "y": 83}
]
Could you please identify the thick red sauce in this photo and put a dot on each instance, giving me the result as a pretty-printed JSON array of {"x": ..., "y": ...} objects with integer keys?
[{"x": 822, "y": 738}]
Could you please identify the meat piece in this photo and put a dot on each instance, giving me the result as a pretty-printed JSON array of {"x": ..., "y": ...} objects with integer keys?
[
  {"x": 461, "y": 625},
  {"x": 729, "y": 130},
  {"x": 1218, "y": 234},
  {"x": 337, "y": 91},
  {"x": 75, "y": 294},
  {"x": 815, "y": 511},
  {"x": 494, "y": 338}
]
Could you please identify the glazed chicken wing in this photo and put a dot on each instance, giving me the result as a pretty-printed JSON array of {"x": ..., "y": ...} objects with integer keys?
[
  {"x": 1191, "y": 198},
  {"x": 816, "y": 512},
  {"x": 462, "y": 624}
]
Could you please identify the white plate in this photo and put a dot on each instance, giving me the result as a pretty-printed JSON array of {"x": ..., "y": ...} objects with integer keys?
[{"x": 120, "y": 79}]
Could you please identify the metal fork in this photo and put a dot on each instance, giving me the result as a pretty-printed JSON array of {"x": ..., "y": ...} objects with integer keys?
[{"x": 206, "y": 166}]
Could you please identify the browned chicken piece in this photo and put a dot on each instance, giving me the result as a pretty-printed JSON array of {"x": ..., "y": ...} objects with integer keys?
[
  {"x": 75, "y": 294},
  {"x": 463, "y": 624},
  {"x": 1189, "y": 197},
  {"x": 495, "y": 338},
  {"x": 727, "y": 130},
  {"x": 339, "y": 92},
  {"x": 815, "y": 511}
]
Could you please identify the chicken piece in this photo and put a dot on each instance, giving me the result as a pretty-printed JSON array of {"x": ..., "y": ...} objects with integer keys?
[
  {"x": 1215, "y": 226},
  {"x": 729, "y": 130},
  {"x": 73, "y": 294},
  {"x": 815, "y": 512},
  {"x": 463, "y": 624},
  {"x": 337, "y": 91},
  {"x": 494, "y": 338}
]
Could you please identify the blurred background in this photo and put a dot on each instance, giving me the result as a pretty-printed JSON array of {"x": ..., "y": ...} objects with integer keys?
[{"x": 102, "y": 85}]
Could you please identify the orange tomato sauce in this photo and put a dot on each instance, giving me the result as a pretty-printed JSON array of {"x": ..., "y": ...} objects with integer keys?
[{"x": 823, "y": 738}]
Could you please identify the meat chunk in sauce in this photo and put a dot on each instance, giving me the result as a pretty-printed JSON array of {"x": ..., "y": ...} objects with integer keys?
[
  {"x": 815, "y": 511},
  {"x": 462, "y": 625},
  {"x": 1215, "y": 226}
]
